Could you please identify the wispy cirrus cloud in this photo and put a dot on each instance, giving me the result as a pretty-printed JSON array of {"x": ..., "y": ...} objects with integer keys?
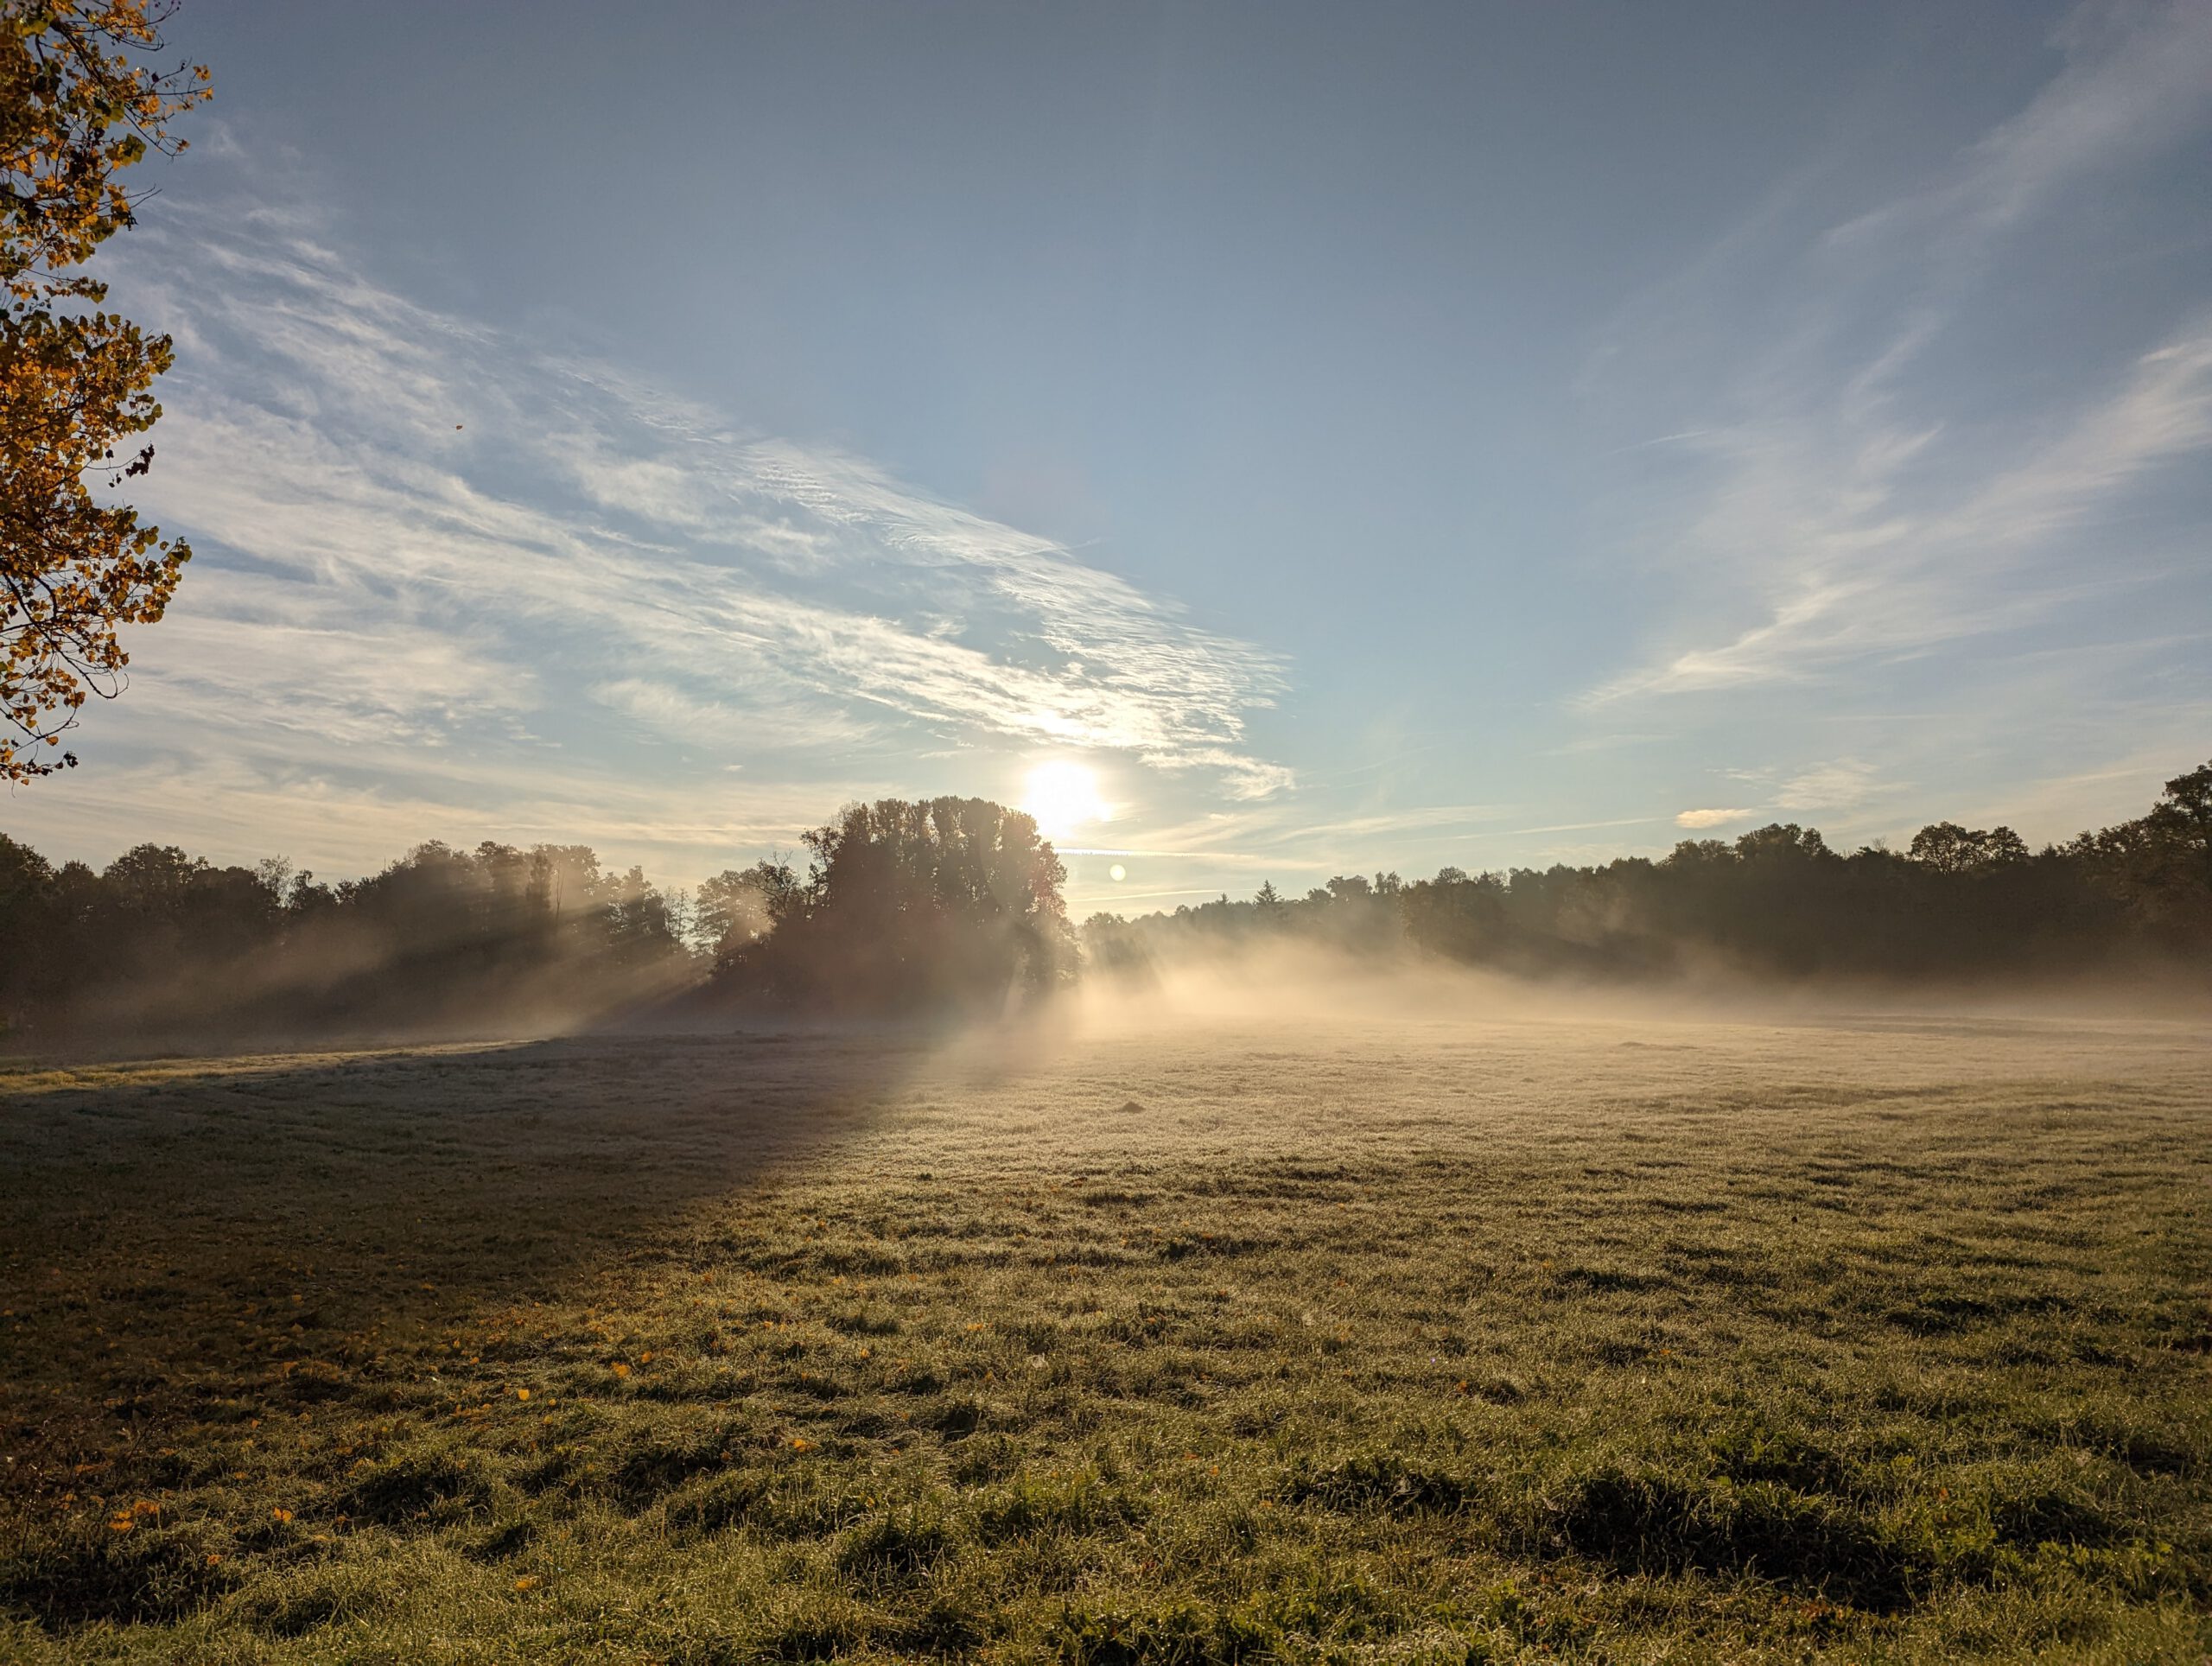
[
  {"x": 340, "y": 436},
  {"x": 1843, "y": 785},
  {"x": 1859, "y": 496},
  {"x": 1837, "y": 785},
  {"x": 420, "y": 537}
]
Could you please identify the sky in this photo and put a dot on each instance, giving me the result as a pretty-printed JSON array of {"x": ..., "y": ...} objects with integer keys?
[{"x": 1363, "y": 438}]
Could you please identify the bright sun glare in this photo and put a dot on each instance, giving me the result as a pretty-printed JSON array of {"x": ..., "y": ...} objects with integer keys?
[{"x": 1062, "y": 797}]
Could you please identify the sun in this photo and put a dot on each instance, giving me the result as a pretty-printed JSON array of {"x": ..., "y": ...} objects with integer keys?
[{"x": 1062, "y": 797}]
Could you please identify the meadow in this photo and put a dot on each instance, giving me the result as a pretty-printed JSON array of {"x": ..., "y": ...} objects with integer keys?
[{"x": 1331, "y": 1329}]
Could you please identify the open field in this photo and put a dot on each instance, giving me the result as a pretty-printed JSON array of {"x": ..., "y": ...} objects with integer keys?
[{"x": 1392, "y": 1336}]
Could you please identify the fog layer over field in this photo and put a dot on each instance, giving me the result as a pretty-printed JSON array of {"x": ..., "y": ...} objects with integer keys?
[{"x": 1186, "y": 995}]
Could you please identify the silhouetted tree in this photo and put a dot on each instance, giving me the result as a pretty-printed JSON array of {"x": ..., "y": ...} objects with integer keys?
[
  {"x": 1950, "y": 849},
  {"x": 912, "y": 904},
  {"x": 2161, "y": 865}
]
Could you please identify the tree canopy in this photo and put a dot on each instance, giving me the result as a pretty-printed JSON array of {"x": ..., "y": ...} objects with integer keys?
[
  {"x": 904, "y": 904},
  {"x": 79, "y": 102}
]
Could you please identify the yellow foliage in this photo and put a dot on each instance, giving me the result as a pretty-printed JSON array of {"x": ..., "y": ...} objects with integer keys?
[{"x": 77, "y": 106}]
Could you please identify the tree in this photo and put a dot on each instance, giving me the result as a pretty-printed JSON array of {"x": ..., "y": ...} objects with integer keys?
[
  {"x": 738, "y": 908},
  {"x": 1691, "y": 853},
  {"x": 2183, "y": 819},
  {"x": 644, "y": 925},
  {"x": 27, "y": 925},
  {"x": 1781, "y": 841},
  {"x": 77, "y": 105},
  {"x": 2161, "y": 863},
  {"x": 936, "y": 901},
  {"x": 1950, "y": 849}
]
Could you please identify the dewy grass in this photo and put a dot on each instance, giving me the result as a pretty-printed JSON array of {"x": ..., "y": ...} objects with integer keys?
[{"x": 1403, "y": 1339}]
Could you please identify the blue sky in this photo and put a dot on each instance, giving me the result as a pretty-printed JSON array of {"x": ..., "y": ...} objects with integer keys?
[{"x": 1367, "y": 437}]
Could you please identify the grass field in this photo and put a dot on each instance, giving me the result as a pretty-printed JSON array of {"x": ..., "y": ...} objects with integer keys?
[{"x": 1384, "y": 1335}]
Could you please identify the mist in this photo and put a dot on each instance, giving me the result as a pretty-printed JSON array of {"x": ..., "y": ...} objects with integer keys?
[{"x": 948, "y": 911}]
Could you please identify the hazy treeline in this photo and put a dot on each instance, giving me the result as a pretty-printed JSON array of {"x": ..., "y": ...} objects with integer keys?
[
  {"x": 957, "y": 902},
  {"x": 1959, "y": 904},
  {"x": 900, "y": 905},
  {"x": 161, "y": 943}
]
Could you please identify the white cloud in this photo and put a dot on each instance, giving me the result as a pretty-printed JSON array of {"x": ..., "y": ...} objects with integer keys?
[
  {"x": 1843, "y": 784},
  {"x": 2133, "y": 86},
  {"x": 1850, "y": 514},
  {"x": 416, "y": 536},
  {"x": 1702, "y": 818}
]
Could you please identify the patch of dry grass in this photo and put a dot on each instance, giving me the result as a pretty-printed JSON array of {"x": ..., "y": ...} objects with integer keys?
[{"x": 1391, "y": 1337}]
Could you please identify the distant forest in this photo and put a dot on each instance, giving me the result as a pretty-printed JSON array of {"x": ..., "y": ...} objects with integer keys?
[
  {"x": 1959, "y": 904},
  {"x": 955, "y": 902}
]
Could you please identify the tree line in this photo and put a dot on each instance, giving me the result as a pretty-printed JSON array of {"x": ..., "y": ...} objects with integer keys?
[
  {"x": 955, "y": 902},
  {"x": 1958, "y": 904},
  {"x": 899, "y": 904},
  {"x": 162, "y": 944}
]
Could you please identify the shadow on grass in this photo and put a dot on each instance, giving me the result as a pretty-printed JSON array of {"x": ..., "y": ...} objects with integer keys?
[{"x": 197, "y": 1242}]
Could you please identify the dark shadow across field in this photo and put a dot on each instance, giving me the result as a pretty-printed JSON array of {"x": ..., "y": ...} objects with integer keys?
[{"x": 216, "y": 1221}]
